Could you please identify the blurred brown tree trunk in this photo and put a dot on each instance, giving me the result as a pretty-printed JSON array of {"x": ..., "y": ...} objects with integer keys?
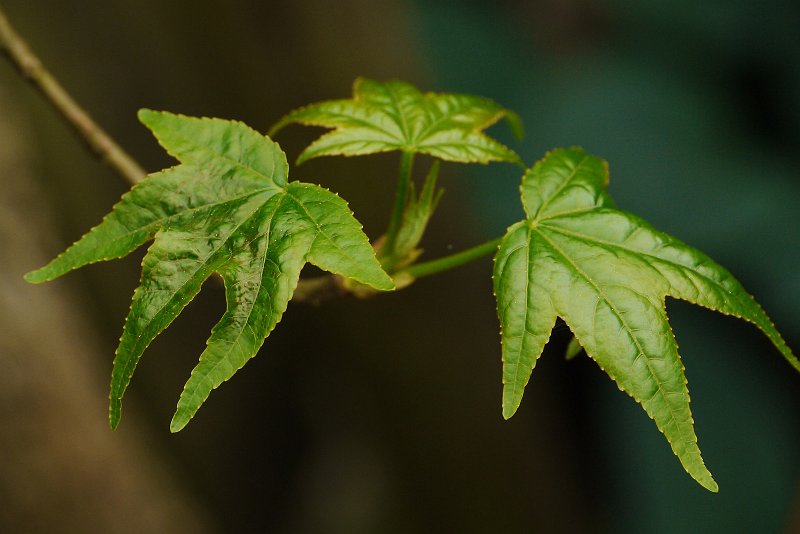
[{"x": 62, "y": 469}]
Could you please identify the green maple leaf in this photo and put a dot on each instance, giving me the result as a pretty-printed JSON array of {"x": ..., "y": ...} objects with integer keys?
[
  {"x": 228, "y": 208},
  {"x": 607, "y": 273},
  {"x": 382, "y": 117}
]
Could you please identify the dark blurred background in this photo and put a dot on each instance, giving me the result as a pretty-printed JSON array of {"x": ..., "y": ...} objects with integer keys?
[{"x": 384, "y": 415}]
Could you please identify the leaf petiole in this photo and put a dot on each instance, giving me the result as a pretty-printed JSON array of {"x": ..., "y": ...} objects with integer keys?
[
  {"x": 400, "y": 199},
  {"x": 452, "y": 261}
]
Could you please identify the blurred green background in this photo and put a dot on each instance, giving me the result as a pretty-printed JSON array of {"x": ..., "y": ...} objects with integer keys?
[{"x": 384, "y": 415}]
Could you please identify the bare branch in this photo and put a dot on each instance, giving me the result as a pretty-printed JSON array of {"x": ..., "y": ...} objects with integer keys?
[{"x": 31, "y": 68}]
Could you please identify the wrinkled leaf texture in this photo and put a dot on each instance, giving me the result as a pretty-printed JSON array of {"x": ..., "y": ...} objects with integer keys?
[
  {"x": 606, "y": 273},
  {"x": 227, "y": 208},
  {"x": 394, "y": 115}
]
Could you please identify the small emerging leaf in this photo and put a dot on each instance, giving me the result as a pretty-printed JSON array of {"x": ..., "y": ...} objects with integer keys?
[
  {"x": 416, "y": 215},
  {"x": 573, "y": 349},
  {"x": 382, "y": 117},
  {"x": 606, "y": 273},
  {"x": 228, "y": 208}
]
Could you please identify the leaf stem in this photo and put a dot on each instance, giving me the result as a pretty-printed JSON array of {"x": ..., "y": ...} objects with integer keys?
[
  {"x": 452, "y": 261},
  {"x": 31, "y": 68},
  {"x": 400, "y": 199}
]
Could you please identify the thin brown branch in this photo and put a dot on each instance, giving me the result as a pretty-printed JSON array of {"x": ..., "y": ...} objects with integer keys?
[{"x": 31, "y": 68}]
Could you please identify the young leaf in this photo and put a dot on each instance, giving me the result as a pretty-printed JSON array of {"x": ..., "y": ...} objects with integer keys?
[
  {"x": 573, "y": 349},
  {"x": 228, "y": 208},
  {"x": 606, "y": 273},
  {"x": 416, "y": 215},
  {"x": 382, "y": 117}
]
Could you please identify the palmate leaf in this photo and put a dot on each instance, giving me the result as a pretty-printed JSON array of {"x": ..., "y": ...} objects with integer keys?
[
  {"x": 607, "y": 272},
  {"x": 228, "y": 208},
  {"x": 383, "y": 117}
]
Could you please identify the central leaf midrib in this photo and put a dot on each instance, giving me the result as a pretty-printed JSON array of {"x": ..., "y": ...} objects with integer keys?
[
  {"x": 431, "y": 126},
  {"x": 528, "y": 249},
  {"x": 627, "y": 328},
  {"x": 320, "y": 230},
  {"x": 339, "y": 128},
  {"x": 360, "y": 123},
  {"x": 160, "y": 222},
  {"x": 590, "y": 240},
  {"x": 235, "y": 163},
  {"x": 400, "y": 115},
  {"x": 491, "y": 146},
  {"x": 384, "y": 145}
]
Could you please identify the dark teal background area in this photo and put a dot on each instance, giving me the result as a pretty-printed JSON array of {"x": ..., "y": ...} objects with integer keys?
[
  {"x": 383, "y": 416},
  {"x": 695, "y": 106}
]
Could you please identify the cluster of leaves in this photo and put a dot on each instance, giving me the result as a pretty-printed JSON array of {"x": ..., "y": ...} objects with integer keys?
[{"x": 229, "y": 208}]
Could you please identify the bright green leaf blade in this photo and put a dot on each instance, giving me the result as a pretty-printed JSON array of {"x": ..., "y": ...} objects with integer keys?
[
  {"x": 399, "y": 98},
  {"x": 340, "y": 245},
  {"x": 396, "y": 116},
  {"x": 307, "y": 223},
  {"x": 690, "y": 274},
  {"x": 345, "y": 114},
  {"x": 349, "y": 142},
  {"x": 173, "y": 271},
  {"x": 140, "y": 213},
  {"x": 259, "y": 281},
  {"x": 466, "y": 147},
  {"x": 220, "y": 171},
  {"x": 225, "y": 146},
  {"x": 566, "y": 180},
  {"x": 526, "y": 313},
  {"x": 607, "y": 273},
  {"x": 466, "y": 111}
]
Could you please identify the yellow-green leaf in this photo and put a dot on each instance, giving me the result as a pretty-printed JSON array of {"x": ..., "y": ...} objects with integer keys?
[{"x": 383, "y": 117}]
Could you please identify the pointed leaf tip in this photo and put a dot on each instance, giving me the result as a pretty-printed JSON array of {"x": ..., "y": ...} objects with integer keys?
[
  {"x": 382, "y": 282},
  {"x": 146, "y": 116},
  {"x": 509, "y": 410},
  {"x": 178, "y": 423},
  {"x": 35, "y": 277},
  {"x": 515, "y": 123},
  {"x": 114, "y": 413},
  {"x": 573, "y": 349},
  {"x": 710, "y": 484}
]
